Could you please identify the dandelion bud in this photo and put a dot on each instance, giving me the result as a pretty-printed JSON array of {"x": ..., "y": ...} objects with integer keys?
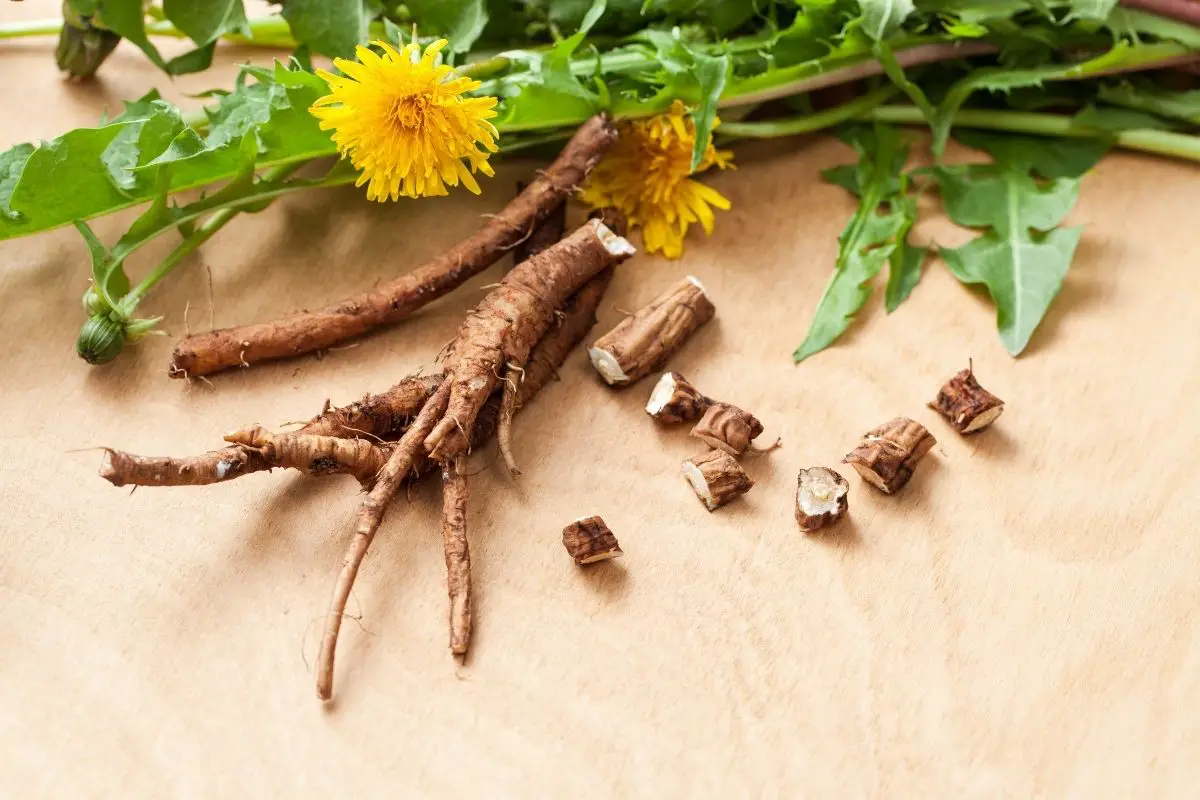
[
  {"x": 100, "y": 339},
  {"x": 82, "y": 46}
]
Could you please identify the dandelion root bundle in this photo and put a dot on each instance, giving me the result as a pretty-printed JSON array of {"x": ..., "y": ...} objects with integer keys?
[{"x": 306, "y": 332}]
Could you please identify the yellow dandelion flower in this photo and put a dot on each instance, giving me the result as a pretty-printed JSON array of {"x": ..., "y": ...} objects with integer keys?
[
  {"x": 402, "y": 120},
  {"x": 647, "y": 174}
]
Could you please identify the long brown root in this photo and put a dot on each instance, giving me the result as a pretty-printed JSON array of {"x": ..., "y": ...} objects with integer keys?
[
  {"x": 511, "y": 319},
  {"x": 458, "y": 553},
  {"x": 379, "y": 416},
  {"x": 577, "y": 318},
  {"x": 369, "y": 518},
  {"x": 306, "y": 332},
  {"x": 316, "y": 455},
  {"x": 545, "y": 235}
]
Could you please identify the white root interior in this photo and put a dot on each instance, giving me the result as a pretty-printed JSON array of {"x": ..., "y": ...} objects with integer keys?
[
  {"x": 819, "y": 492},
  {"x": 614, "y": 553},
  {"x": 664, "y": 390},
  {"x": 699, "y": 484},
  {"x": 696, "y": 282},
  {"x": 614, "y": 244},
  {"x": 607, "y": 365},
  {"x": 984, "y": 419}
]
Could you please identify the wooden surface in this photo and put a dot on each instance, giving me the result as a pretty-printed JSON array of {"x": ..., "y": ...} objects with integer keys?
[{"x": 1020, "y": 621}]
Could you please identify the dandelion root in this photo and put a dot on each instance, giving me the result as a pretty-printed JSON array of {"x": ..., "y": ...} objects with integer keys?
[
  {"x": 316, "y": 455},
  {"x": 645, "y": 341},
  {"x": 727, "y": 427},
  {"x": 505, "y": 326},
  {"x": 589, "y": 540},
  {"x": 306, "y": 332},
  {"x": 458, "y": 554},
  {"x": 965, "y": 405},
  {"x": 887, "y": 455},
  {"x": 717, "y": 478},
  {"x": 674, "y": 399},
  {"x": 821, "y": 498}
]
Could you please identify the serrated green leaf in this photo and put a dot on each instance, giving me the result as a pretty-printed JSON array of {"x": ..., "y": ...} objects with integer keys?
[
  {"x": 709, "y": 73},
  {"x": 904, "y": 271},
  {"x": 1022, "y": 257},
  {"x": 204, "y": 21},
  {"x": 460, "y": 21},
  {"x": 1021, "y": 276},
  {"x": 1049, "y": 158},
  {"x": 127, "y": 18},
  {"x": 1112, "y": 119},
  {"x": 868, "y": 240},
  {"x": 330, "y": 27},
  {"x": 881, "y": 18},
  {"x": 1148, "y": 96}
]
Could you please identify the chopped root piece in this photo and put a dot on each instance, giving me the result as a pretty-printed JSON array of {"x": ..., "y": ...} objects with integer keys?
[
  {"x": 458, "y": 554},
  {"x": 966, "y": 405},
  {"x": 674, "y": 399},
  {"x": 511, "y": 319},
  {"x": 577, "y": 318},
  {"x": 589, "y": 540},
  {"x": 306, "y": 332},
  {"x": 888, "y": 454},
  {"x": 370, "y": 516},
  {"x": 727, "y": 427},
  {"x": 717, "y": 478},
  {"x": 645, "y": 341},
  {"x": 821, "y": 498}
]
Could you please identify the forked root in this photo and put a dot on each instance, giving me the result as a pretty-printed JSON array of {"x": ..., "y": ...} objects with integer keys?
[{"x": 370, "y": 516}]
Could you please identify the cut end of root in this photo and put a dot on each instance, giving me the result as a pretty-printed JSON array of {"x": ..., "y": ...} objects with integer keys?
[
  {"x": 662, "y": 394},
  {"x": 983, "y": 420},
  {"x": 696, "y": 282},
  {"x": 607, "y": 365},
  {"x": 821, "y": 498},
  {"x": 589, "y": 540},
  {"x": 696, "y": 478},
  {"x": 614, "y": 244}
]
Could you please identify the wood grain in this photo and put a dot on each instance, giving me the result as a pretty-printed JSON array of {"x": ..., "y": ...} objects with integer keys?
[{"x": 1019, "y": 621}]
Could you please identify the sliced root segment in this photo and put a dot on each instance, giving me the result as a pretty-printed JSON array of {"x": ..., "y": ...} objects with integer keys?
[
  {"x": 888, "y": 455},
  {"x": 675, "y": 400},
  {"x": 727, "y": 427},
  {"x": 717, "y": 478},
  {"x": 589, "y": 540},
  {"x": 504, "y": 328},
  {"x": 821, "y": 498},
  {"x": 370, "y": 516},
  {"x": 306, "y": 332},
  {"x": 965, "y": 405},
  {"x": 458, "y": 554},
  {"x": 644, "y": 342}
]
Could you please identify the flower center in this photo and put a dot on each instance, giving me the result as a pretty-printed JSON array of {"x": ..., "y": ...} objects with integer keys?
[{"x": 409, "y": 111}]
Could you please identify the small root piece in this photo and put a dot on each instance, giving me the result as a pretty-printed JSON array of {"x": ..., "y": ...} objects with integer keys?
[
  {"x": 306, "y": 332},
  {"x": 644, "y": 342},
  {"x": 965, "y": 405},
  {"x": 589, "y": 540},
  {"x": 821, "y": 498},
  {"x": 727, "y": 427},
  {"x": 717, "y": 478},
  {"x": 888, "y": 454},
  {"x": 458, "y": 554},
  {"x": 370, "y": 517},
  {"x": 674, "y": 400}
]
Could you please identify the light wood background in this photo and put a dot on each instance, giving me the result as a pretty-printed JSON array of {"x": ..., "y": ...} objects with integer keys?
[{"x": 1020, "y": 621}]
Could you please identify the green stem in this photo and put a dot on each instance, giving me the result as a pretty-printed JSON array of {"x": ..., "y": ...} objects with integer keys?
[
  {"x": 33, "y": 27},
  {"x": 264, "y": 32},
  {"x": 1165, "y": 143},
  {"x": 810, "y": 122},
  {"x": 198, "y": 237}
]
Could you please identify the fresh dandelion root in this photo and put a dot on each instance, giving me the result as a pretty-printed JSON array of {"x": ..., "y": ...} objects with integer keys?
[
  {"x": 966, "y": 405},
  {"x": 645, "y": 341},
  {"x": 675, "y": 400},
  {"x": 577, "y": 318},
  {"x": 458, "y": 554},
  {"x": 315, "y": 455},
  {"x": 717, "y": 478},
  {"x": 888, "y": 454},
  {"x": 370, "y": 516},
  {"x": 821, "y": 498},
  {"x": 306, "y": 332},
  {"x": 727, "y": 427},
  {"x": 382, "y": 416},
  {"x": 589, "y": 540},
  {"x": 544, "y": 235},
  {"x": 504, "y": 327}
]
